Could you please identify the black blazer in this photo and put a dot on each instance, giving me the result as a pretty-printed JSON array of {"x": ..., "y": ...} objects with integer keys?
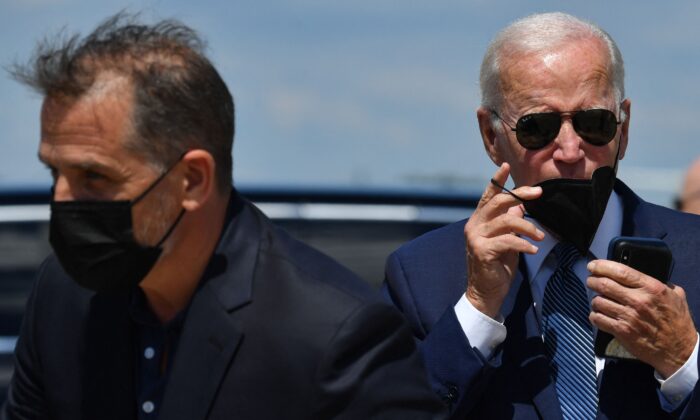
[{"x": 277, "y": 330}]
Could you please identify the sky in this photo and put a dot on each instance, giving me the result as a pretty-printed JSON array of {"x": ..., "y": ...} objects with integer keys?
[{"x": 376, "y": 93}]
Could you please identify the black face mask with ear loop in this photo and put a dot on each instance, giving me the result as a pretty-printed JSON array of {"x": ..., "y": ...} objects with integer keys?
[
  {"x": 572, "y": 209},
  {"x": 94, "y": 242}
]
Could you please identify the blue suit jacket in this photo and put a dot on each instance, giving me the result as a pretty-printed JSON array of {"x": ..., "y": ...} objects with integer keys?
[{"x": 426, "y": 277}]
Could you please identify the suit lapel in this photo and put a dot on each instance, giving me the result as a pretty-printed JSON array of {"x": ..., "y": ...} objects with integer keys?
[
  {"x": 637, "y": 220},
  {"x": 207, "y": 346},
  {"x": 526, "y": 347},
  {"x": 210, "y": 336}
]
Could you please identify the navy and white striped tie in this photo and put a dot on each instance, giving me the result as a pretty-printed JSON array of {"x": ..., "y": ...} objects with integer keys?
[{"x": 568, "y": 337}]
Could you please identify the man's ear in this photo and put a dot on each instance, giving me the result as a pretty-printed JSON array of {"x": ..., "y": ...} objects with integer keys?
[
  {"x": 488, "y": 134},
  {"x": 625, "y": 108},
  {"x": 199, "y": 180}
]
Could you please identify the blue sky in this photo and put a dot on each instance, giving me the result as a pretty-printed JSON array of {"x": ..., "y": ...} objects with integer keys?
[{"x": 376, "y": 93}]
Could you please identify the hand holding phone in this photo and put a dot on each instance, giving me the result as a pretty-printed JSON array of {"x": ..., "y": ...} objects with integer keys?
[{"x": 647, "y": 255}]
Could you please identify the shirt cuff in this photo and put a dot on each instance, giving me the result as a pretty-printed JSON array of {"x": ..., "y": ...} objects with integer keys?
[
  {"x": 676, "y": 388},
  {"x": 483, "y": 332}
]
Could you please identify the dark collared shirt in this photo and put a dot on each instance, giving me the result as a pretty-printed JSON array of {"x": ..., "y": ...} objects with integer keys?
[{"x": 155, "y": 346}]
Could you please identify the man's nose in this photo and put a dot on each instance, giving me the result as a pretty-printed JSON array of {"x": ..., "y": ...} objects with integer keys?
[
  {"x": 62, "y": 190},
  {"x": 568, "y": 143}
]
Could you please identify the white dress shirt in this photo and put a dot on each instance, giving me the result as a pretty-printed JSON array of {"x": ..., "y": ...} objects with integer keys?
[{"x": 485, "y": 333}]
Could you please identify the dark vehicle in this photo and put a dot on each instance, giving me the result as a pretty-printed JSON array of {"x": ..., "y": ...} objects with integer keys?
[{"x": 358, "y": 228}]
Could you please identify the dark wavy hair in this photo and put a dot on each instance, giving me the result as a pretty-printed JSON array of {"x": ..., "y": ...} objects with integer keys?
[{"x": 180, "y": 100}]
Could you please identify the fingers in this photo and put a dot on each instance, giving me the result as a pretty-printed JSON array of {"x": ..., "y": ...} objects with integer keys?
[
  {"x": 609, "y": 288},
  {"x": 508, "y": 243},
  {"x": 605, "y": 313},
  {"x": 493, "y": 244},
  {"x": 501, "y": 176},
  {"x": 649, "y": 318},
  {"x": 638, "y": 297},
  {"x": 509, "y": 223},
  {"x": 660, "y": 331},
  {"x": 625, "y": 275},
  {"x": 625, "y": 295},
  {"x": 678, "y": 291},
  {"x": 500, "y": 203},
  {"x": 495, "y": 190},
  {"x": 605, "y": 323},
  {"x": 493, "y": 228},
  {"x": 495, "y": 202},
  {"x": 490, "y": 249}
]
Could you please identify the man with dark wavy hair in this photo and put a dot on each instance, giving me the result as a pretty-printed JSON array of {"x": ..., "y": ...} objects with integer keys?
[{"x": 168, "y": 295}]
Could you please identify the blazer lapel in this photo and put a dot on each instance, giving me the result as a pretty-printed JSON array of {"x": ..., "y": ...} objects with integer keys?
[
  {"x": 210, "y": 336},
  {"x": 527, "y": 348},
  {"x": 207, "y": 346},
  {"x": 637, "y": 220}
]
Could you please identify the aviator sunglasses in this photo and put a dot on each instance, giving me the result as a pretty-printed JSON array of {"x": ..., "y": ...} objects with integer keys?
[{"x": 535, "y": 131}]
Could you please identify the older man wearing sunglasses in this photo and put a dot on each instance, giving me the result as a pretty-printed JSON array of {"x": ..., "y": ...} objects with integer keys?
[{"x": 506, "y": 305}]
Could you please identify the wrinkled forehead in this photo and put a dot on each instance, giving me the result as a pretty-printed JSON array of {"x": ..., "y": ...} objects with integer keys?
[{"x": 576, "y": 72}]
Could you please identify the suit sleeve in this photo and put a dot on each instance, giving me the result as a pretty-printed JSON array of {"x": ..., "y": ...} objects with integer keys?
[
  {"x": 25, "y": 397},
  {"x": 373, "y": 371},
  {"x": 457, "y": 371}
]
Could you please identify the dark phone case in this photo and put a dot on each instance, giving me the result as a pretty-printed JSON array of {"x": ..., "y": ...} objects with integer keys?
[{"x": 650, "y": 256}]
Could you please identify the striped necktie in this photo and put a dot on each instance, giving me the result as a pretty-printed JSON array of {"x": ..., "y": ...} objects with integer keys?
[{"x": 568, "y": 337}]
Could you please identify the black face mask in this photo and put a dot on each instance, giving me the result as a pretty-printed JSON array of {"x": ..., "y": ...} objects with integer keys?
[
  {"x": 572, "y": 208},
  {"x": 95, "y": 244}
]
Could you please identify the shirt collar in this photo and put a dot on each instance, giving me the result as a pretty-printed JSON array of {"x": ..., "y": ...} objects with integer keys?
[
  {"x": 610, "y": 227},
  {"x": 142, "y": 314}
]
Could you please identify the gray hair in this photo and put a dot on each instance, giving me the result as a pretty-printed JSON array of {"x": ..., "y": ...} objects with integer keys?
[{"x": 538, "y": 33}]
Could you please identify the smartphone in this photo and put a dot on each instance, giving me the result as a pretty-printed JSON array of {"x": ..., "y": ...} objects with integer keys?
[{"x": 648, "y": 255}]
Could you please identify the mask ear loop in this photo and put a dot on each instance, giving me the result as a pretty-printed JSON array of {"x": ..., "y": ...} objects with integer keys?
[
  {"x": 619, "y": 142},
  {"x": 160, "y": 178},
  {"x": 506, "y": 190},
  {"x": 182, "y": 211},
  {"x": 172, "y": 228},
  {"x": 617, "y": 155}
]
